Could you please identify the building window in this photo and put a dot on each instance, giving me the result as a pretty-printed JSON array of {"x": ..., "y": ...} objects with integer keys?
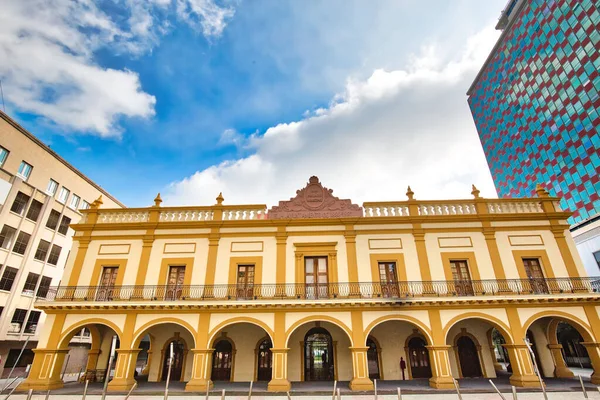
[
  {"x": 13, "y": 356},
  {"x": 17, "y": 320},
  {"x": 63, "y": 195},
  {"x": 44, "y": 287},
  {"x": 52, "y": 187},
  {"x": 74, "y": 202},
  {"x": 85, "y": 205},
  {"x": 42, "y": 250},
  {"x": 30, "y": 283},
  {"x": 7, "y": 234},
  {"x": 462, "y": 277},
  {"x": 8, "y": 278},
  {"x": 64, "y": 225},
  {"x": 21, "y": 243},
  {"x": 32, "y": 322},
  {"x": 3, "y": 155},
  {"x": 20, "y": 203},
  {"x": 34, "y": 210},
  {"x": 54, "y": 254},
  {"x": 53, "y": 219},
  {"x": 24, "y": 170},
  {"x": 597, "y": 257}
]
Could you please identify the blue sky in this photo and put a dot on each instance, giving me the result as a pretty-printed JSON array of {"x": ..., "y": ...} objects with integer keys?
[{"x": 193, "y": 97}]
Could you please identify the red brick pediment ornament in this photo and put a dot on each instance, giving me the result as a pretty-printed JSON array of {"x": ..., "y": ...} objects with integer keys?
[{"x": 315, "y": 201}]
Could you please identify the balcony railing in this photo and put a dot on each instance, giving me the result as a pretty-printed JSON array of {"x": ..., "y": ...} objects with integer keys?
[{"x": 361, "y": 290}]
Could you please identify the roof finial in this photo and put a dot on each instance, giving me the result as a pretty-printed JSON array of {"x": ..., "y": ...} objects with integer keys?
[
  {"x": 541, "y": 192},
  {"x": 157, "y": 200},
  {"x": 475, "y": 192},
  {"x": 220, "y": 199},
  {"x": 97, "y": 203},
  {"x": 410, "y": 193}
]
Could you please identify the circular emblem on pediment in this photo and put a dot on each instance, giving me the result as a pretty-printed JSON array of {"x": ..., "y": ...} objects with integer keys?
[{"x": 313, "y": 196}]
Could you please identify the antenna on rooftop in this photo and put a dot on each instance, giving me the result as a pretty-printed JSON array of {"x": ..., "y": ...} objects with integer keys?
[{"x": 2, "y": 93}]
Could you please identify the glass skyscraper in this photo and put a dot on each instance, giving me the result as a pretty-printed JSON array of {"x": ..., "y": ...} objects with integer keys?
[{"x": 536, "y": 103}]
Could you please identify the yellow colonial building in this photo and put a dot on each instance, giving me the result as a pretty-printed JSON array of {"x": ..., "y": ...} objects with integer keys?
[{"x": 318, "y": 288}]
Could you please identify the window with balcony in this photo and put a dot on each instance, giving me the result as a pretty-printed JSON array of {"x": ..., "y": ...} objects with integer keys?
[
  {"x": 30, "y": 283},
  {"x": 54, "y": 254},
  {"x": 53, "y": 219},
  {"x": 462, "y": 277},
  {"x": 32, "y": 322},
  {"x": 52, "y": 187},
  {"x": 388, "y": 279},
  {"x": 63, "y": 195},
  {"x": 8, "y": 278},
  {"x": 64, "y": 225},
  {"x": 34, "y": 210},
  {"x": 42, "y": 250},
  {"x": 20, "y": 203},
  {"x": 7, "y": 235},
  {"x": 533, "y": 270},
  {"x": 44, "y": 287},
  {"x": 74, "y": 203},
  {"x": 17, "y": 320},
  {"x": 3, "y": 155},
  {"x": 21, "y": 243},
  {"x": 24, "y": 170}
]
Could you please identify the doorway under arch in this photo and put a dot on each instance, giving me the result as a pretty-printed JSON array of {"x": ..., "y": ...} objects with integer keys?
[
  {"x": 178, "y": 363},
  {"x": 264, "y": 360},
  {"x": 418, "y": 358},
  {"x": 222, "y": 364},
  {"x": 468, "y": 357},
  {"x": 318, "y": 355},
  {"x": 373, "y": 359}
]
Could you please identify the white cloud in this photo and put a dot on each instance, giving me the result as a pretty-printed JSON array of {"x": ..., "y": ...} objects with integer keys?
[
  {"x": 47, "y": 62},
  {"x": 205, "y": 15},
  {"x": 401, "y": 127}
]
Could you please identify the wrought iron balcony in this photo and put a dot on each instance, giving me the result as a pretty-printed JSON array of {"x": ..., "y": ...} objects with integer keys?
[{"x": 310, "y": 292}]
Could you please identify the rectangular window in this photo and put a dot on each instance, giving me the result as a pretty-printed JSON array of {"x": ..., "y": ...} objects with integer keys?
[
  {"x": 462, "y": 277},
  {"x": 74, "y": 201},
  {"x": 54, "y": 254},
  {"x": 175, "y": 282},
  {"x": 63, "y": 195},
  {"x": 34, "y": 210},
  {"x": 24, "y": 170},
  {"x": 107, "y": 284},
  {"x": 535, "y": 275},
  {"x": 32, "y": 280},
  {"x": 85, "y": 205},
  {"x": 245, "y": 281},
  {"x": 8, "y": 278},
  {"x": 20, "y": 203},
  {"x": 597, "y": 257},
  {"x": 44, "y": 287},
  {"x": 42, "y": 250},
  {"x": 7, "y": 235},
  {"x": 53, "y": 219},
  {"x": 52, "y": 187},
  {"x": 388, "y": 279},
  {"x": 17, "y": 320},
  {"x": 316, "y": 279},
  {"x": 3, "y": 155},
  {"x": 21, "y": 243},
  {"x": 32, "y": 322},
  {"x": 64, "y": 225},
  {"x": 24, "y": 361}
]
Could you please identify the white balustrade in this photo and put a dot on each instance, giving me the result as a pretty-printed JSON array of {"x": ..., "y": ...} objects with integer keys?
[
  {"x": 512, "y": 207},
  {"x": 447, "y": 209},
  {"x": 394, "y": 210},
  {"x": 247, "y": 214},
  {"x": 117, "y": 217},
  {"x": 185, "y": 215}
]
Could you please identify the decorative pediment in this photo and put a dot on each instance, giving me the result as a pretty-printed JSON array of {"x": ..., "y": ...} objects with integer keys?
[{"x": 315, "y": 201}]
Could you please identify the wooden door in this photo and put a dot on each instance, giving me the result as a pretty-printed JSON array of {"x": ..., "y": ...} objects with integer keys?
[
  {"x": 462, "y": 278},
  {"x": 264, "y": 367},
  {"x": 222, "y": 361},
  {"x": 418, "y": 357},
  {"x": 388, "y": 279},
  {"x": 316, "y": 280},
  {"x": 373, "y": 359},
  {"x": 177, "y": 366},
  {"x": 468, "y": 358},
  {"x": 175, "y": 282},
  {"x": 245, "y": 282},
  {"x": 533, "y": 269},
  {"x": 107, "y": 284}
]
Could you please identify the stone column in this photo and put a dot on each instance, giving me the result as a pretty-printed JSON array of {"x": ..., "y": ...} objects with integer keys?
[
  {"x": 593, "y": 350},
  {"x": 92, "y": 360},
  {"x": 441, "y": 374},
  {"x": 523, "y": 371},
  {"x": 146, "y": 370},
  {"x": 560, "y": 368},
  {"x": 45, "y": 370},
  {"x": 124, "y": 379},
  {"x": 497, "y": 365},
  {"x": 360, "y": 370},
  {"x": 201, "y": 370},
  {"x": 279, "y": 381}
]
